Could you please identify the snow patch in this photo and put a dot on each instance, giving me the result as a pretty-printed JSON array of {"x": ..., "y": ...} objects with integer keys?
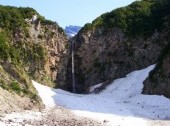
[
  {"x": 92, "y": 88},
  {"x": 46, "y": 94}
]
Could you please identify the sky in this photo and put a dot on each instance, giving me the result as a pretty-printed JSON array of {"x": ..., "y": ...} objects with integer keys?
[{"x": 69, "y": 12}]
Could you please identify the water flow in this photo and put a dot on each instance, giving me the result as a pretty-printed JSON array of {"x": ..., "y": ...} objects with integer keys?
[{"x": 73, "y": 73}]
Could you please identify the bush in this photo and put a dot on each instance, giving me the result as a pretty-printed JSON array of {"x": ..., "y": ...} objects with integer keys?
[
  {"x": 3, "y": 84},
  {"x": 139, "y": 18},
  {"x": 67, "y": 46},
  {"x": 4, "y": 47},
  {"x": 12, "y": 17},
  {"x": 38, "y": 52},
  {"x": 15, "y": 86}
]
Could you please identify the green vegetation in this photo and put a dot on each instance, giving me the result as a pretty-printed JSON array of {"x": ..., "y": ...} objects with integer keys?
[
  {"x": 15, "y": 86},
  {"x": 49, "y": 22},
  {"x": 3, "y": 84},
  {"x": 38, "y": 52},
  {"x": 15, "y": 79},
  {"x": 67, "y": 46},
  {"x": 12, "y": 18},
  {"x": 139, "y": 18},
  {"x": 61, "y": 30},
  {"x": 4, "y": 47},
  {"x": 7, "y": 50},
  {"x": 17, "y": 55}
]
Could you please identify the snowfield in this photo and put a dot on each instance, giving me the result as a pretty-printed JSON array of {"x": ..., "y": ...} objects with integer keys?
[{"x": 120, "y": 104}]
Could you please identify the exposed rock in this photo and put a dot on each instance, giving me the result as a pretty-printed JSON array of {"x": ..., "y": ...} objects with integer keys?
[
  {"x": 54, "y": 44},
  {"x": 101, "y": 56},
  {"x": 31, "y": 48},
  {"x": 159, "y": 80},
  {"x": 43, "y": 48},
  {"x": 12, "y": 102},
  {"x": 119, "y": 42}
]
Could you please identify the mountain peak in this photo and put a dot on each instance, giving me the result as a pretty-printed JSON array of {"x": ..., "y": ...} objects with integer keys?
[{"x": 71, "y": 30}]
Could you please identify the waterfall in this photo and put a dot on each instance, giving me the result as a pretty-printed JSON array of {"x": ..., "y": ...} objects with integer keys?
[{"x": 73, "y": 72}]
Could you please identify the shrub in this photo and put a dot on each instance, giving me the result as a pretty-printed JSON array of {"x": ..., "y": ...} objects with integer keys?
[
  {"x": 4, "y": 47},
  {"x": 67, "y": 46},
  {"x": 15, "y": 86},
  {"x": 139, "y": 18}
]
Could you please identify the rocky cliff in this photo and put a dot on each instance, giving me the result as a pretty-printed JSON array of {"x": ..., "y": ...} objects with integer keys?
[
  {"x": 31, "y": 47},
  {"x": 159, "y": 79},
  {"x": 119, "y": 42}
]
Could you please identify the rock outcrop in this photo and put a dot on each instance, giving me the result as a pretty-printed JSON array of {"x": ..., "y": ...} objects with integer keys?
[
  {"x": 53, "y": 45},
  {"x": 158, "y": 82}
]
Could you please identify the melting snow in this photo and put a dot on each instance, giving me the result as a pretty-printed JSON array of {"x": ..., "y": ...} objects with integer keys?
[
  {"x": 121, "y": 103},
  {"x": 92, "y": 88}
]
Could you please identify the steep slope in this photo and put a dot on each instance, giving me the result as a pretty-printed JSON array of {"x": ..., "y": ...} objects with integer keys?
[
  {"x": 119, "y": 42},
  {"x": 159, "y": 79},
  {"x": 71, "y": 30},
  {"x": 31, "y": 47}
]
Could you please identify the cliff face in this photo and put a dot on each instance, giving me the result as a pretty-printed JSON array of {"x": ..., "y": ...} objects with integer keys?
[
  {"x": 116, "y": 43},
  {"x": 31, "y": 47},
  {"x": 50, "y": 46},
  {"x": 159, "y": 80},
  {"x": 100, "y": 58}
]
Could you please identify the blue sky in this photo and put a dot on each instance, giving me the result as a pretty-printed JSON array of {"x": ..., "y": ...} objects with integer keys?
[{"x": 69, "y": 12}]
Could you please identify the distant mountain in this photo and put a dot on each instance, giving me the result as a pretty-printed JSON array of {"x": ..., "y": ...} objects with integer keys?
[{"x": 71, "y": 30}]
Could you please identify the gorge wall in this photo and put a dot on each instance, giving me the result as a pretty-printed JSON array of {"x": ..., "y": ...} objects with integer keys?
[
  {"x": 158, "y": 81},
  {"x": 119, "y": 42},
  {"x": 31, "y": 47}
]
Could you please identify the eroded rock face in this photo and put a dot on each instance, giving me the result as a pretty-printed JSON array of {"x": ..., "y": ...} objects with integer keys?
[
  {"x": 101, "y": 56},
  {"x": 35, "y": 50},
  {"x": 48, "y": 51},
  {"x": 159, "y": 80}
]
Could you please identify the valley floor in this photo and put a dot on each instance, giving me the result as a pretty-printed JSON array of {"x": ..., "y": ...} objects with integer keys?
[
  {"x": 63, "y": 117},
  {"x": 57, "y": 116},
  {"x": 120, "y": 104}
]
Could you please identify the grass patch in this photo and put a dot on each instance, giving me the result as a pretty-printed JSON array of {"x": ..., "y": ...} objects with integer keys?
[{"x": 16, "y": 87}]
